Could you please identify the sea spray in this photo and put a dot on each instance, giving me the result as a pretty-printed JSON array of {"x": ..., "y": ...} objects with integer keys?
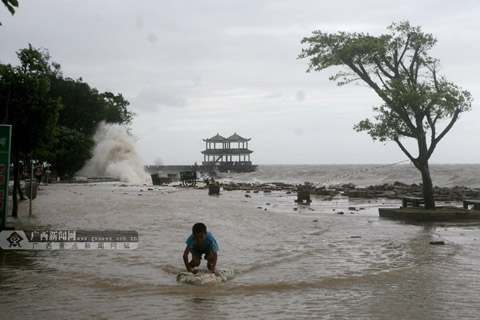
[{"x": 114, "y": 156}]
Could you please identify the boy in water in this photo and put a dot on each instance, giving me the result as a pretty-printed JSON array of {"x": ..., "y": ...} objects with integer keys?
[{"x": 198, "y": 243}]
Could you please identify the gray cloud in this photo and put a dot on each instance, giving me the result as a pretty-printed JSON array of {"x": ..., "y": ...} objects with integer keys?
[
  {"x": 202, "y": 67},
  {"x": 153, "y": 98}
]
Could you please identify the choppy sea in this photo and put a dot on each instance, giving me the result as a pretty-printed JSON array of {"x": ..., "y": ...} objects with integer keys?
[{"x": 443, "y": 175}]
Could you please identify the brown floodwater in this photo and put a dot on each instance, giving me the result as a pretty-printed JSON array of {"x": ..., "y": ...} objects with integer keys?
[{"x": 290, "y": 261}]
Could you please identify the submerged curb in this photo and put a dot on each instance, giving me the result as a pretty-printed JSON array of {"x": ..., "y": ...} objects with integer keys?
[{"x": 422, "y": 214}]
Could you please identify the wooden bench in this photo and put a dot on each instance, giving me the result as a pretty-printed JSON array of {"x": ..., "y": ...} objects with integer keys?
[
  {"x": 476, "y": 204},
  {"x": 414, "y": 201}
]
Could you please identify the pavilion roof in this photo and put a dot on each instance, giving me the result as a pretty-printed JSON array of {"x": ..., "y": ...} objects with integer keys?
[
  {"x": 236, "y": 138},
  {"x": 216, "y": 138},
  {"x": 233, "y": 138}
]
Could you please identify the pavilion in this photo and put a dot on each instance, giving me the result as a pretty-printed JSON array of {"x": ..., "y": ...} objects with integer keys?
[{"x": 228, "y": 154}]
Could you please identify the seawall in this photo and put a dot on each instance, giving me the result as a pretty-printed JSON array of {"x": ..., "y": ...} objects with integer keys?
[
  {"x": 210, "y": 169},
  {"x": 175, "y": 169}
]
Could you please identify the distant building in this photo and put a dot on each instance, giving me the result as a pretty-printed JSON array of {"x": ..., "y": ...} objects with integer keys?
[{"x": 228, "y": 154}]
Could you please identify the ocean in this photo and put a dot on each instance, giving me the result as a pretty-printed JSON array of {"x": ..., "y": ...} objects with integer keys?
[
  {"x": 291, "y": 261},
  {"x": 443, "y": 175}
]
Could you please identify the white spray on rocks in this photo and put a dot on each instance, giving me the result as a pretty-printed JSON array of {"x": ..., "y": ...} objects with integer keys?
[{"x": 114, "y": 156}]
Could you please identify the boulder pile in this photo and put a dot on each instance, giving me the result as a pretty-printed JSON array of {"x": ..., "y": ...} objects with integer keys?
[{"x": 396, "y": 190}]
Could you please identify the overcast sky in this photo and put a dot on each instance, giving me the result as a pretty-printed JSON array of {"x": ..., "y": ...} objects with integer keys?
[{"x": 192, "y": 69}]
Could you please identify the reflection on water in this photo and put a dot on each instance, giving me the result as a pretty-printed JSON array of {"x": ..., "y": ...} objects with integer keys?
[{"x": 290, "y": 262}]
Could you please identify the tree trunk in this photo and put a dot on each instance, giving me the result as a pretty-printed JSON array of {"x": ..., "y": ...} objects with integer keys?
[
  {"x": 427, "y": 186},
  {"x": 422, "y": 165}
]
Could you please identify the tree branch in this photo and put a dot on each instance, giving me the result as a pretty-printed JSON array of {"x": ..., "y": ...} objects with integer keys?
[
  {"x": 434, "y": 75},
  {"x": 380, "y": 67},
  {"x": 381, "y": 79},
  {"x": 444, "y": 132},
  {"x": 431, "y": 123},
  {"x": 405, "y": 48},
  {"x": 396, "y": 61},
  {"x": 404, "y": 150},
  {"x": 405, "y": 133},
  {"x": 362, "y": 73},
  {"x": 412, "y": 64},
  {"x": 407, "y": 72}
]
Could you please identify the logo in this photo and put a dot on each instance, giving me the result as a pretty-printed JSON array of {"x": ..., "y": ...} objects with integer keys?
[
  {"x": 14, "y": 240},
  {"x": 3, "y": 141},
  {"x": 68, "y": 239}
]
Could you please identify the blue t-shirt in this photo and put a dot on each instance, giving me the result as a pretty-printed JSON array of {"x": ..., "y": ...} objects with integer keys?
[{"x": 208, "y": 245}]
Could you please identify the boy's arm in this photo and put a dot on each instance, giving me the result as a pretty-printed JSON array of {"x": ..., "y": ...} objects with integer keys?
[
  {"x": 214, "y": 263},
  {"x": 185, "y": 259}
]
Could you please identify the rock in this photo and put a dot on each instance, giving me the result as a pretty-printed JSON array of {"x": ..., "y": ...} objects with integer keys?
[
  {"x": 303, "y": 197},
  {"x": 357, "y": 194},
  {"x": 397, "y": 190},
  {"x": 390, "y": 194}
]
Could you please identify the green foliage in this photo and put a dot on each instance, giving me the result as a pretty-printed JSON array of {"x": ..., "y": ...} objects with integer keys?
[
  {"x": 11, "y": 5},
  {"x": 83, "y": 110},
  {"x": 116, "y": 109},
  {"x": 25, "y": 103},
  {"x": 69, "y": 152},
  {"x": 54, "y": 117},
  {"x": 84, "y": 107},
  {"x": 34, "y": 61}
]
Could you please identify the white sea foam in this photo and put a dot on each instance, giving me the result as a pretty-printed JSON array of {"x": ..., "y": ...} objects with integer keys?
[
  {"x": 114, "y": 156},
  {"x": 443, "y": 175},
  {"x": 206, "y": 277}
]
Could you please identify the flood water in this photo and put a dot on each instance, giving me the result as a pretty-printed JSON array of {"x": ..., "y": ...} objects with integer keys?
[{"x": 291, "y": 262}]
